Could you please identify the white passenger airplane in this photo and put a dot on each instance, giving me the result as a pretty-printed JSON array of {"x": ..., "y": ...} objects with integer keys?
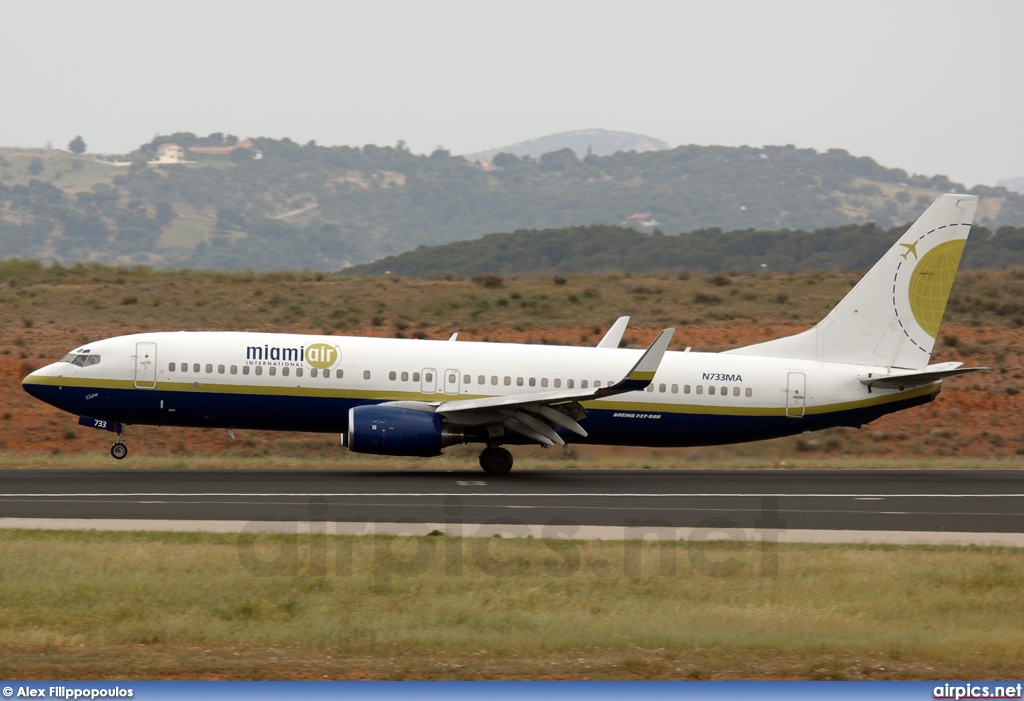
[{"x": 868, "y": 357}]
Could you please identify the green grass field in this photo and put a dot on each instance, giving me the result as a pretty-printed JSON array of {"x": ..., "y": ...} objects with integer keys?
[{"x": 128, "y": 605}]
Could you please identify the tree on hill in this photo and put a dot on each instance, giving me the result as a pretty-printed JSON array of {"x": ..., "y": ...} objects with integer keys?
[{"x": 77, "y": 146}]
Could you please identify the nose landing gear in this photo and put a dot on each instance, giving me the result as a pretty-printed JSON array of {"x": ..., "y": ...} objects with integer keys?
[{"x": 120, "y": 448}]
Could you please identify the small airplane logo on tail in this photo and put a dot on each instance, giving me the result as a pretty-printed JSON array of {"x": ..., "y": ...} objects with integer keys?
[{"x": 911, "y": 248}]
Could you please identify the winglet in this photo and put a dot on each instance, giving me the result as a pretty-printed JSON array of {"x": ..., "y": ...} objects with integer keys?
[
  {"x": 613, "y": 338},
  {"x": 643, "y": 372}
]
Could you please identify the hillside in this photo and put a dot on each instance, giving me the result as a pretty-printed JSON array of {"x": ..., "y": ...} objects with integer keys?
[
  {"x": 281, "y": 205},
  {"x": 592, "y": 249}
]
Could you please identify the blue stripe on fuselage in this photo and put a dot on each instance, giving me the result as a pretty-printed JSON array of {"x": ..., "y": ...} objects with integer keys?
[{"x": 330, "y": 415}]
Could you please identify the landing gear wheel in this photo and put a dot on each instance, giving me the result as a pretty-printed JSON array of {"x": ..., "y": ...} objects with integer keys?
[
  {"x": 496, "y": 461},
  {"x": 119, "y": 451}
]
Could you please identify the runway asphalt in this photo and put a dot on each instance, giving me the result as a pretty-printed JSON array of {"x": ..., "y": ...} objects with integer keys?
[{"x": 962, "y": 501}]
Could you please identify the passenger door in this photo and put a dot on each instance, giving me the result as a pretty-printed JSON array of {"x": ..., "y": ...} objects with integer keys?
[
  {"x": 796, "y": 399},
  {"x": 145, "y": 365}
]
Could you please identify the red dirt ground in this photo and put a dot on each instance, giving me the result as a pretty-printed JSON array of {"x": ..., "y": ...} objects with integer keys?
[{"x": 975, "y": 416}]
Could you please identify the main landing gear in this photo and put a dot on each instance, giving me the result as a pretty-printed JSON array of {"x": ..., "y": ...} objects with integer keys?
[
  {"x": 495, "y": 460},
  {"x": 120, "y": 448}
]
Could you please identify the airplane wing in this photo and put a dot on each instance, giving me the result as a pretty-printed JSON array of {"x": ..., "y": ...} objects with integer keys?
[
  {"x": 537, "y": 415},
  {"x": 613, "y": 338}
]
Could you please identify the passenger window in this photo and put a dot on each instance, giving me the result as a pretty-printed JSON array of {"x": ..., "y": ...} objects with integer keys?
[
  {"x": 558, "y": 382},
  {"x": 686, "y": 389},
  {"x": 366, "y": 375},
  {"x": 298, "y": 372},
  {"x": 273, "y": 370},
  {"x": 245, "y": 369},
  {"x": 519, "y": 382},
  {"x": 675, "y": 389},
  {"x": 313, "y": 372},
  {"x": 533, "y": 381},
  {"x": 570, "y": 384},
  {"x": 452, "y": 378},
  {"x": 327, "y": 373},
  {"x": 749, "y": 392},
  {"x": 650, "y": 387},
  {"x": 220, "y": 369},
  {"x": 494, "y": 379},
  {"x": 392, "y": 375},
  {"x": 209, "y": 368},
  {"x": 711, "y": 389},
  {"x": 583, "y": 384},
  {"x": 234, "y": 369},
  {"x": 661, "y": 387},
  {"x": 466, "y": 380},
  {"x": 405, "y": 377},
  {"x": 195, "y": 367},
  {"x": 259, "y": 369},
  {"x": 543, "y": 382},
  {"x": 427, "y": 376},
  {"x": 735, "y": 391},
  {"x": 284, "y": 371},
  {"x": 415, "y": 377},
  {"x": 700, "y": 389},
  {"x": 508, "y": 380},
  {"x": 170, "y": 367},
  {"x": 339, "y": 373},
  {"x": 481, "y": 380}
]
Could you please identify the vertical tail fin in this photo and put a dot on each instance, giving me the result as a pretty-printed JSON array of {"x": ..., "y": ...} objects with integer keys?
[{"x": 892, "y": 316}]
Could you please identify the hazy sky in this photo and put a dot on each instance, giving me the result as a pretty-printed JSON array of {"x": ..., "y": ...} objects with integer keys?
[{"x": 931, "y": 86}]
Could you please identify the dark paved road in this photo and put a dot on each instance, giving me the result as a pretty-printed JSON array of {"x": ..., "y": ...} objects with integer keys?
[{"x": 939, "y": 500}]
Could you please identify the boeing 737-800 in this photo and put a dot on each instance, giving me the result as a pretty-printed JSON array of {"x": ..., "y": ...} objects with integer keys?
[{"x": 869, "y": 357}]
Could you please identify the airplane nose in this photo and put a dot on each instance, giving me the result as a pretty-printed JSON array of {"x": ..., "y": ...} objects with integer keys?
[{"x": 34, "y": 381}]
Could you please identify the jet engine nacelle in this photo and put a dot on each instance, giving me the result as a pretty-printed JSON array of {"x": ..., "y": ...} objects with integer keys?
[{"x": 392, "y": 430}]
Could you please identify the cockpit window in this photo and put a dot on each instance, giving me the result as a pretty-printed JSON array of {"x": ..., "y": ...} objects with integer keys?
[{"x": 82, "y": 360}]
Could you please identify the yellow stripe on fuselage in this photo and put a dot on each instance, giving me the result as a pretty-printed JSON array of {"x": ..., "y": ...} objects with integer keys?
[{"x": 610, "y": 404}]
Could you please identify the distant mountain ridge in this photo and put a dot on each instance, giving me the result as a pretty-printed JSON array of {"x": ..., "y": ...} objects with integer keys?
[
  {"x": 1013, "y": 184},
  {"x": 280, "y": 205},
  {"x": 583, "y": 142},
  {"x": 608, "y": 249}
]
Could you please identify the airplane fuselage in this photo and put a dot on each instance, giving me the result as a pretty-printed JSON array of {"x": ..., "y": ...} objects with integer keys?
[{"x": 308, "y": 383}]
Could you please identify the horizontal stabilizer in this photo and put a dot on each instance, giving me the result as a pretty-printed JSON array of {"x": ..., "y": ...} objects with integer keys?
[{"x": 909, "y": 380}]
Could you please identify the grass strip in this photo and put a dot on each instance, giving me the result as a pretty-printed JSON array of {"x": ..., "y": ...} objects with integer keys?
[{"x": 95, "y": 605}]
